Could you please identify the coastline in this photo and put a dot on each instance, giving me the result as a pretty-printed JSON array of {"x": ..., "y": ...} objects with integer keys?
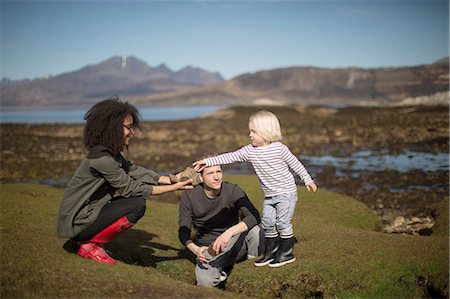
[{"x": 53, "y": 151}]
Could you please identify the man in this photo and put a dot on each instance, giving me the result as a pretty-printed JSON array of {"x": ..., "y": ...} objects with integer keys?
[{"x": 213, "y": 209}]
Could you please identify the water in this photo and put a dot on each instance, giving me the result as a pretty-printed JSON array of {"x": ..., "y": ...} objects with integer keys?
[
  {"x": 361, "y": 161},
  {"x": 358, "y": 163},
  {"x": 75, "y": 115},
  {"x": 382, "y": 161}
]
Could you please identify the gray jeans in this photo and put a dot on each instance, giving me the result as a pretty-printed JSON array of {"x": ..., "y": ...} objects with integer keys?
[
  {"x": 277, "y": 215},
  {"x": 242, "y": 246}
]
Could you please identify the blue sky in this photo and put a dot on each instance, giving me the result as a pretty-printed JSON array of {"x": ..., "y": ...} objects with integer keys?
[{"x": 41, "y": 38}]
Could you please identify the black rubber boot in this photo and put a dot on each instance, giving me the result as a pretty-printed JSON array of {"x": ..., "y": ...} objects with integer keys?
[
  {"x": 271, "y": 246},
  {"x": 284, "y": 254}
]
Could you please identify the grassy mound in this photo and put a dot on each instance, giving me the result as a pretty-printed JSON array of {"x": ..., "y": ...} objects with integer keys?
[{"x": 339, "y": 253}]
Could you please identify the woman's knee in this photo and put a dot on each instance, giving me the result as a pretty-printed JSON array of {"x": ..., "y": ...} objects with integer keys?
[{"x": 139, "y": 209}]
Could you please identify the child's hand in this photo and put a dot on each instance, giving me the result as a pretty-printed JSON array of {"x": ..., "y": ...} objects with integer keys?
[
  {"x": 311, "y": 186},
  {"x": 199, "y": 165}
]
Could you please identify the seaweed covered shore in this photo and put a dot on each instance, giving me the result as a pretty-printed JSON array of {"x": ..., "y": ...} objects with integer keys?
[{"x": 50, "y": 153}]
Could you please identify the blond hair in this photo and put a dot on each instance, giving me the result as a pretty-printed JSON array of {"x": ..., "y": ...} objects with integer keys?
[{"x": 267, "y": 125}]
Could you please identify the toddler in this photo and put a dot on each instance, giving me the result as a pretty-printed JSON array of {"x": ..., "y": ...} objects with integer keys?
[{"x": 272, "y": 161}]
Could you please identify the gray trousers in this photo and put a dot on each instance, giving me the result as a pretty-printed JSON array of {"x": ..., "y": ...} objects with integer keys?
[
  {"x": 241, "y": 246},
  {"x": 277, "y": 215}
]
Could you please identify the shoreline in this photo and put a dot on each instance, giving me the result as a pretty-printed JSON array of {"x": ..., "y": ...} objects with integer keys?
[{"x": 53, "y": 151}]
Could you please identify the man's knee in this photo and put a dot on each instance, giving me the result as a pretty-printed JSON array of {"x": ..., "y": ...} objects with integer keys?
[
  {"x": 207, "y": 277},
  {"x": 208, "y": 281}
]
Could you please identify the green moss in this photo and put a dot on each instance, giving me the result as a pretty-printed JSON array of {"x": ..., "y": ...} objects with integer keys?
[
  {"x": 339, "y": 254},
  {"x": 320, "y": 208},
  {"x": 35, "y": 265},
  {"x": 442, "y": 221}
]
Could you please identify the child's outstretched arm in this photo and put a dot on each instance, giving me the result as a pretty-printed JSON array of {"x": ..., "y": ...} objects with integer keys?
[{"x": 241, "y": 155}]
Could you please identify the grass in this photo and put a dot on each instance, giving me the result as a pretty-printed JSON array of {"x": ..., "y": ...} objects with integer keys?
[{"x": 339, "y": 253}]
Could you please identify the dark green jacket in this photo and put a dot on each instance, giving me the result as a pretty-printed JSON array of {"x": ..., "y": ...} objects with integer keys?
[{"x": 100, "y": 177}]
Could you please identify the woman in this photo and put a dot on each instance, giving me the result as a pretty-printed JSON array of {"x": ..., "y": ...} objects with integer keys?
[{"x": 107, "y": 193}]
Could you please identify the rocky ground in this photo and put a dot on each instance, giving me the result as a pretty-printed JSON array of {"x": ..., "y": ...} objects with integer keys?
[{"x": 50, "y": 153}]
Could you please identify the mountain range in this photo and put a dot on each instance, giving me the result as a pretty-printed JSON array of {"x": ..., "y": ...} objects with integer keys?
[
  {"x": 137, "y": 82},
  {"x": 125, "y": 76},
  {"x": 323, "y": 86}
]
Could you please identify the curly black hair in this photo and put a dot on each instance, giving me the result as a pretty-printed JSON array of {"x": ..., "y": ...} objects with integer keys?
[{"x": 104, "y": 124}]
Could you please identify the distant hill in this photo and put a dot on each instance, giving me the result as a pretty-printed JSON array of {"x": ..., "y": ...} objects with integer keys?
[
  {"x": 124, "y": 76},
  {"x": 133, "y": 79},
  {"x": 312, "y": 85}
]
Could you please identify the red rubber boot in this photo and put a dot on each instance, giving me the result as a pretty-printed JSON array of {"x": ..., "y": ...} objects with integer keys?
[{"x": 94, "y": 248}]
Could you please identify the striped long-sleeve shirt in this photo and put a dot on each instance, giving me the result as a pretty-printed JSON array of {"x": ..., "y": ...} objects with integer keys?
[{"x": 271, "y": 164}]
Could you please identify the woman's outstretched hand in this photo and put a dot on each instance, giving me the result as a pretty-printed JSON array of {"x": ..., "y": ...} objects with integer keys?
[{"x": 184, "y": 185}]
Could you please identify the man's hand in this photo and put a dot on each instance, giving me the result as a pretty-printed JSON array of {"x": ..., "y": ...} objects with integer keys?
[
  {"x": 311, "y": 186},
  {"x": 221, "y": 242},
  {"x": 199, "y": 253},
  {"x": 199, "y": 165}
]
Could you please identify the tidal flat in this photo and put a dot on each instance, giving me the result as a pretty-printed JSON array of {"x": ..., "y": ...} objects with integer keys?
[{"x": 50, "y": 153}]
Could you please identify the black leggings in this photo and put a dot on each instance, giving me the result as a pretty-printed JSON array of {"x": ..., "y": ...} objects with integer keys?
[{"x": 132, "y": 207}]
